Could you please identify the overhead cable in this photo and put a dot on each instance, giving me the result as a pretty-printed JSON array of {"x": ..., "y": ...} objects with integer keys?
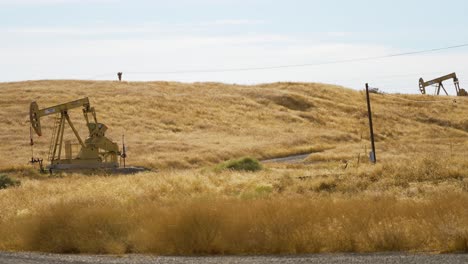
[{"x": 303, "y": 65}]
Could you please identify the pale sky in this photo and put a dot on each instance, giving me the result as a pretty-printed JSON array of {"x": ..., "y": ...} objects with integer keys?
[{"x": 94, "y": 39}]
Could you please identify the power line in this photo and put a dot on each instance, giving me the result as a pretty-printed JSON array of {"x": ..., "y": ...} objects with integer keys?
[
  {"x": 303, "y": 65},
  {"x": 101, "y": 75}
]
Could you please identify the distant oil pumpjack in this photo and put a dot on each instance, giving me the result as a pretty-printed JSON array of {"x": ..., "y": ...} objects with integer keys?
[
  {"x": 439, "y": 85},
  {"x": 97, "y": 151}
]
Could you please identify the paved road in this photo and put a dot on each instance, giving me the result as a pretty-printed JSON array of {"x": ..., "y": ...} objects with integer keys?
[
  {"x": 390, "y": 258},
  {"x": 289, "y": 159}
]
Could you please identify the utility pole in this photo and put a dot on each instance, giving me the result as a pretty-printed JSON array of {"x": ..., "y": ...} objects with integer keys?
[{"x": 373, "y": 157}]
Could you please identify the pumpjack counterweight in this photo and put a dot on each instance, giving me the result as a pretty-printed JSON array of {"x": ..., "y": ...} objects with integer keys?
[{"x": 97, "y": 151}]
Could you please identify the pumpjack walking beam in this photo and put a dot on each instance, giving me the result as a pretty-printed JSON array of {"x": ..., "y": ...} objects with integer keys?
[{"x": 35, "y": 114}]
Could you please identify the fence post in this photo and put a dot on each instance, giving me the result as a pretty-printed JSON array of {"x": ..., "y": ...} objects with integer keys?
[{"x": 373, "y": 156}]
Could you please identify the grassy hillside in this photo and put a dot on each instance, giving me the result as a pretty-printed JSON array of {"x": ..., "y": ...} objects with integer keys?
[
  {"x": 174, "y": 125},
  {"x": 414, "y": 199}
]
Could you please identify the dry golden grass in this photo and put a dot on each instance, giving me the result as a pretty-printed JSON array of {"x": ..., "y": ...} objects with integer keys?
[
  {"x": 277, "y": 211},
  {"x": 231, "y": 226},
  {"x": 174, "y": 125},
  {"x": 409, "y": 206},
  {"x": 413, "y": 200},
  {"x": 171, "y": 125}
]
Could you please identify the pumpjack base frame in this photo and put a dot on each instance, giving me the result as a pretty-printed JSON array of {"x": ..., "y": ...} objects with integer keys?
[
  {"x": 91, "y": 166},
  {"x": 80, "y": 164}
]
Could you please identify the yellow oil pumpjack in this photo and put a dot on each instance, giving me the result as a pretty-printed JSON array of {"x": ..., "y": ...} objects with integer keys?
[
  {"x": 97, "y": 151},
  {"x": 439, "y": 85}
]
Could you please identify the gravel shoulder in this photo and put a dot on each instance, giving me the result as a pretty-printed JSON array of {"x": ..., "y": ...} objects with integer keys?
[{"x": 42, "y": 258}]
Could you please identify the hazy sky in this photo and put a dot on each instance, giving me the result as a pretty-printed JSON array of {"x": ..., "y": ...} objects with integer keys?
[{"x": 93, "y": 39}]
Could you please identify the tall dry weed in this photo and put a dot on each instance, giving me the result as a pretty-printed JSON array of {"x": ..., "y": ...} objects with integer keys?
[{"x": 261, "y": 226}]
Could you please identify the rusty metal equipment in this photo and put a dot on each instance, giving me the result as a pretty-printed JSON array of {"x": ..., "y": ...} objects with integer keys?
[{"x": 439, "y": 85}]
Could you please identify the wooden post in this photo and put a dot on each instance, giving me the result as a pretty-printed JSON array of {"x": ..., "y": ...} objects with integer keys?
[
  {"x": 124, "y": 154},
  {"x": 373, "y": 156}
]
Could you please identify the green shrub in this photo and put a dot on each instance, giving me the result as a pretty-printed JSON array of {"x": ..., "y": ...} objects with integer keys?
[
  {"x": 6, "y": 182},
  {"x": 242, "y": 164}
]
